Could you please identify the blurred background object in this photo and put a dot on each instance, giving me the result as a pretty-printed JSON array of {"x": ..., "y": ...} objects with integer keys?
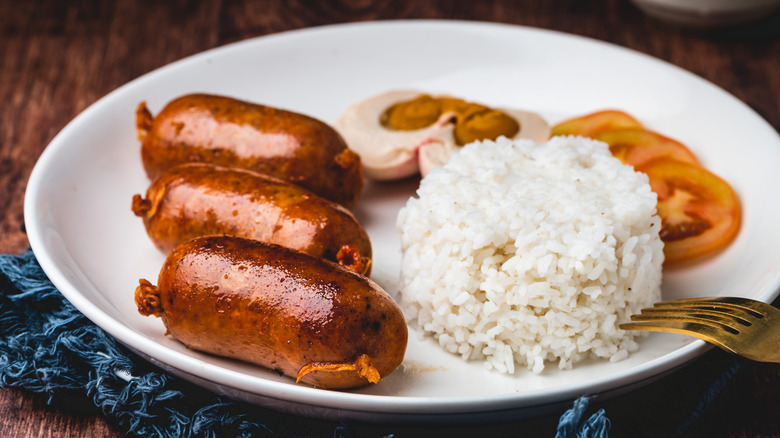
[{"x": 708, "y": 13}]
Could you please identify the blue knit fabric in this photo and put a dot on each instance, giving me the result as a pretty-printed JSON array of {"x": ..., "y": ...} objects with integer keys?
[
  {"x": 571, "y": 426},
  {"x": 49, "y": 347}
]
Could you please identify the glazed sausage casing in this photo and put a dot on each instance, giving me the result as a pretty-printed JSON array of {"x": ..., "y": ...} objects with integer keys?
[
  {"x": 283, "y": 309},
  {"x": 234, "y": 133},
  {"x": 198, "y": 199}
]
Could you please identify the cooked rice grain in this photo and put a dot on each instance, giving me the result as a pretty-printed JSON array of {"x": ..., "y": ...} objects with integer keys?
[{"x": 521, "y": 253}]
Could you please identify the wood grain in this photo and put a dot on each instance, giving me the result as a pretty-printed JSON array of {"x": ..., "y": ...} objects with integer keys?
[{"x": 56, "y": 58}]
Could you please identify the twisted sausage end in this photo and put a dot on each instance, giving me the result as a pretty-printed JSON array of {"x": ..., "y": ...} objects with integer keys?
[
  {"x": 143, "y": 121},
  {"x": 140, "y": 205},
  {"x": 350, "y": 258},
  {"x": 147, "y": 298}
]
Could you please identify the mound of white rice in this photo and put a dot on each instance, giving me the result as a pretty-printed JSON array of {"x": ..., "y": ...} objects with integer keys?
[{"x": 521, "y": 253}]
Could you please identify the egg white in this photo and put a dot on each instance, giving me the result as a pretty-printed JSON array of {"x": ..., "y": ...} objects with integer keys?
[{"x": 388, "y": 154}]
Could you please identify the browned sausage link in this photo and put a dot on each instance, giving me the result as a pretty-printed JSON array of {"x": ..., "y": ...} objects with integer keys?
[
  {"x": 234, "y": 133},
  {"x": 283, "y": 309},
  {"x": 199, "y": 199}
]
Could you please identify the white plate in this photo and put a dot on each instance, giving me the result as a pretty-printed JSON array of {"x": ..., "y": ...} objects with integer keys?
[{"x": 80, "y": 226}]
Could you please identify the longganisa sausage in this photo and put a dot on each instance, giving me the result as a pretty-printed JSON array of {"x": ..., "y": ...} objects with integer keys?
[
  {"x": 279, "y": 308},
  {"x": 199, "y": 199},
  {"x": 234, "y": 133}
]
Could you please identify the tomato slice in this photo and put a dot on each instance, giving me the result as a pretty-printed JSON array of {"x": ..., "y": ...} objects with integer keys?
[
  {"x": 594, "y": 123},
  {"x": 636, "y": 146},
  {"x": 700, "y": 213}
]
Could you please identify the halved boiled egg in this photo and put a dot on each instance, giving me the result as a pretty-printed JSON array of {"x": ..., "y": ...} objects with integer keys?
[{"x": 401, "y": 133}]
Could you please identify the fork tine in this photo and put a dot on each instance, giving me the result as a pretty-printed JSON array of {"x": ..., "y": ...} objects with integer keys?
[
  {"x": 702, "y": 331},
  {"x": 741, "y": 326},
  {"x": 751, "y": 307},
  {"x": 727, "y": 321}
]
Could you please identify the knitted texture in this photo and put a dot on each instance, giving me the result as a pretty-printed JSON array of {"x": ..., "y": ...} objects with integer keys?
[
  {"x": 570, "y": 425},
  {"x": 49, "y": 347}
]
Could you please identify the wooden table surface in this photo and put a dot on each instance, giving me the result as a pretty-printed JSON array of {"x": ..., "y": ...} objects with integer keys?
[{"x": 58, "y": 57}]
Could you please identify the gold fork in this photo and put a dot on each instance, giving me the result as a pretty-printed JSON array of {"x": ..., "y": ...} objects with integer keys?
[{"x": 741, "y": 326}]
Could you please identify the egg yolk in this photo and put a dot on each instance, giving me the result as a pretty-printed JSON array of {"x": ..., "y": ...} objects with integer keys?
[
  {"x": 413, "y": 114},
  {"x": 472, "y": 121}
]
